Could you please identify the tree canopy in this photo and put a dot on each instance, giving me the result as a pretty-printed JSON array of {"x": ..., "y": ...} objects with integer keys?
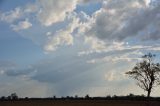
[{"x": 146, "y": 73}]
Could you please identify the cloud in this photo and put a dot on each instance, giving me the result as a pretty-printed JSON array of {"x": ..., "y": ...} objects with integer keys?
[
  {"x": 60, "y": 18},
  {"x": 19, "y": 13},
  {"x": 7, "y": 65},
  {"x": 31, "y": 8},
  {"x": 11, "y": 16},
  {"x": 66, "y": 75},
  {"x": 115, "y": 21},
  {"x": 22, "y": 25},
  {"x": 47, "y": 13},
  {"x": 113, "y": 47},
  {"x": 114, "y": 59},
  {"x": 61, "y": 38},
  {"x": 88, "y": 1},
  {"x": 110, "y": 76},
  {"x": 24, "y": 87},
  {"x": 54, "y": 11},
  {"x": 118, "y": 20},
  {"x": 115, "y": 76},
  {"x": 96, "y": 44},
  {"x": 25, "y": 73}
]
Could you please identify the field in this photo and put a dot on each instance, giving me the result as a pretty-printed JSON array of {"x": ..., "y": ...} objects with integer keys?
[{"x": 79, "y": 103}]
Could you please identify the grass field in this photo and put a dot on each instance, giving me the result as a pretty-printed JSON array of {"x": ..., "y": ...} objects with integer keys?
[{"x": 79, "y": 103}]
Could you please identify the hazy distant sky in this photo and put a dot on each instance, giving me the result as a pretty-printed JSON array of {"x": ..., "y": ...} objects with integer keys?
[{"x": 75, "y": 47}]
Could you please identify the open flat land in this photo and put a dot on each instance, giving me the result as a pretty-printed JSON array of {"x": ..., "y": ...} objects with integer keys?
[{"x": 79, "y": 103}]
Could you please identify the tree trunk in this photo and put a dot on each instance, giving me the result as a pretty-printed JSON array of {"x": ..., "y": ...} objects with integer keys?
[
  {"x": 150, "y": 87},
  {"x": 149, "y": 92}
]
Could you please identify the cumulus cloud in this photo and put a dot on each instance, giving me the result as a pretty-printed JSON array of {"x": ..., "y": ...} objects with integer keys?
[
  {"x": 118, "y": 20},
  {"x": 61, "y": 38},
  {"x": 31, "y": 8},
  {"x": 47, "y": 13},
  {"x": 22, "y": 25},
  {"x": 11, "y": 16},
  {"x": 54, "y": 11},
  {"x": 96, "y": 44}
]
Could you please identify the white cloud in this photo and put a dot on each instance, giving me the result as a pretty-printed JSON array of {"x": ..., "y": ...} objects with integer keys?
[
  {"x": 47, "y": 12},
  {"x": 22, "y": 25},
  {"x": 125, "y": 55},
  {"x": 99, "y": 46},
  {"x": 96, "y": 44},
  {"x": 61, "y": 38},
  {"x": 56, "y": 36},
  {"x": 11, "y": 16},
  {"x": 31, "y": 8},
  {"x": 54, "y": 11}
]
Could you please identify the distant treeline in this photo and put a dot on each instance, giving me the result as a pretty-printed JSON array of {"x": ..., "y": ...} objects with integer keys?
[{"x": 87, "y": 97}]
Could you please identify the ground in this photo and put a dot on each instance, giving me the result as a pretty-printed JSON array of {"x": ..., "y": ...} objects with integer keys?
[{"x": 79, "y": 103}]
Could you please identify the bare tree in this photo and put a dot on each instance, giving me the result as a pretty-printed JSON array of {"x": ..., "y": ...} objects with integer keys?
[{"x": 146, "y": 73}]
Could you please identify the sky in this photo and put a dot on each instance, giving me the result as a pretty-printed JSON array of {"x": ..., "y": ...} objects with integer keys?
[{"x": 75, "y": 47}]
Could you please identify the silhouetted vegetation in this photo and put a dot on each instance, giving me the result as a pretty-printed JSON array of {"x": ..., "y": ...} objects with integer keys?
[
  {"x": 14, "y": 97},
  {"x": 146, "y": 73}
]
